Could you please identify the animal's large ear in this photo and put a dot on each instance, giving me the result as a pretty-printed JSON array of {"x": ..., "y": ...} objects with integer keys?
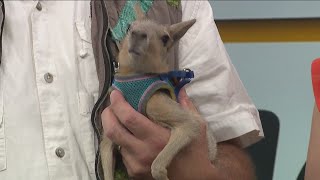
[
  {"x": 176, "y": 31},
  {"x": 139, "y": 13}
]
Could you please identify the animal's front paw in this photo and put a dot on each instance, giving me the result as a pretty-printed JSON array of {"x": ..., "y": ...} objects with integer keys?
[{"x": 159, "y": 173}]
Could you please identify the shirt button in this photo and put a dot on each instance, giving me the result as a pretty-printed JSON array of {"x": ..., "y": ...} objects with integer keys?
[
  {"x": 60, "y": 152},
  {"x": 39, "y": 6},
  {"x": 83, "y": 53},
  {"x": 48, "y": 78}
]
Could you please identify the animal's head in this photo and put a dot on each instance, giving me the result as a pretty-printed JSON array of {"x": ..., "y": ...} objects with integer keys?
[{"x": 146, "y": 46}]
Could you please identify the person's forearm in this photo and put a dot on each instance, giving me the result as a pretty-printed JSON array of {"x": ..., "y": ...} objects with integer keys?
[
  {"x": 232, "y": 163},
  {"x": 313, "y": 158}
]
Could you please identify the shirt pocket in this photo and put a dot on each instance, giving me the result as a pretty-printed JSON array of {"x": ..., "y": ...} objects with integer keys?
[
  {"x": 86, "y": 62},
  {"x": 3, "y": 158},
  {"x": 86, "y": 103}
]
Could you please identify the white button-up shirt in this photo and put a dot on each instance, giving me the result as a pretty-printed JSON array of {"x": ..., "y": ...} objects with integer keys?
[{"x": 48, "y": 86}]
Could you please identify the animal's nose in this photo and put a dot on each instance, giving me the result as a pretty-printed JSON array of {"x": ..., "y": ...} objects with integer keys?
[{"x": 139, "y": 35}]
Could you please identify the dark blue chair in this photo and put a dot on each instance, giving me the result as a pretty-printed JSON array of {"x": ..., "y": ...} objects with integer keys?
[{"x": 263, "y": 153}]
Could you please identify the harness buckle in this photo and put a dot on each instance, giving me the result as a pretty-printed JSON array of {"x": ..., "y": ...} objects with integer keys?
[
  {"x": 116, "y": 66},
  {"x": 187, "y": 70}
]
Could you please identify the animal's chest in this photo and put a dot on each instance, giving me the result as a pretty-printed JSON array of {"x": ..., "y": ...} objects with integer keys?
[{"x": 138, "y": 90}]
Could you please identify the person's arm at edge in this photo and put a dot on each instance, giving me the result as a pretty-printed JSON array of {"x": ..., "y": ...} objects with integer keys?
[
  {"x": 232, "y": 162},
  {"x": 313, "y": 158}
]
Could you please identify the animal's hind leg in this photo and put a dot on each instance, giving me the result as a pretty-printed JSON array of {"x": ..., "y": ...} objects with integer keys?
[
  {"x": 180, "y": 137},
  {"x": 106, "y": 151},
  {"x": 212, "y": 145}
]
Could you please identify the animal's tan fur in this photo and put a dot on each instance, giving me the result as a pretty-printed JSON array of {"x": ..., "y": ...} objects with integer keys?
[{"x": 143, "y": 51}]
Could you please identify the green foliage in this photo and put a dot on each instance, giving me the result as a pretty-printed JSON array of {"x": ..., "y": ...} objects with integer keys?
[
  {"x": 174, "y": 3},
  {"x": 120, "y": 169},
  {"x": 121, "y": 175}
]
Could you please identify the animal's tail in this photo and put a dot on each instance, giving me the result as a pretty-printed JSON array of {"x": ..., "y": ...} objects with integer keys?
[{"x": 106, "y": 151}]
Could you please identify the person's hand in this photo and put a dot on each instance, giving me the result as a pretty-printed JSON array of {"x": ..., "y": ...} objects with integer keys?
[{"x": 141, "y": 140}]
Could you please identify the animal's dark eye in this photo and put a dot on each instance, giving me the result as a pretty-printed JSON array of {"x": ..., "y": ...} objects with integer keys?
[
  {"x": 165, "y": 39},
  {"x": 143, "y": 35}
]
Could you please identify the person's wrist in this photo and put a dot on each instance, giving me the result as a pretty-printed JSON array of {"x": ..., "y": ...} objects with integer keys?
[
  {"x": 184, "y": 168},
  {"x": 213, "y": 173},
  {"x": 210, "y": 173}
]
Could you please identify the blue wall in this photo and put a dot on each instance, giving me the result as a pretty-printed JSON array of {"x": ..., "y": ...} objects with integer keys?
[
  {"x": 277, "y": 77},
  {"x": 240, "y": 9}
]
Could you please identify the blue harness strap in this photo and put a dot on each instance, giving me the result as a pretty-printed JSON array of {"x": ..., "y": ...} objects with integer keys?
[
  {"x": 178, "y": 79},
  {"x": 138, "y": 89}
]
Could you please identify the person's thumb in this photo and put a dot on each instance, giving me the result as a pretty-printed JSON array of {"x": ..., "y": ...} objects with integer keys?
[
  {"x": 186, "y": 102},
  {"x": 116, "y": 96}
]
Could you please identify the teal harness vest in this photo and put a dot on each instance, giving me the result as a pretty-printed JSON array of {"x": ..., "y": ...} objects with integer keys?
[{"x": 138, "y": 89}]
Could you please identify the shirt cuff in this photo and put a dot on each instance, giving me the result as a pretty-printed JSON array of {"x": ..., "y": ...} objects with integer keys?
[{"x": 242, "y": 126}]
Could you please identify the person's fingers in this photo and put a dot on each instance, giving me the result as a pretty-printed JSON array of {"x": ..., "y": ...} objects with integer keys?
[
  {"x": 138, "y": 124},
  {"x": 115, "y": 131},
  {"x": 135, "y": 168},
  {"x": 186, "y": 102},
  {"x": 126, "y": 163}
]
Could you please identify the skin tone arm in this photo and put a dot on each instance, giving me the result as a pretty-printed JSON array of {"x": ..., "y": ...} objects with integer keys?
[
  {"x": 313, "y": 159},
  {"x": 141, "y": 141}
]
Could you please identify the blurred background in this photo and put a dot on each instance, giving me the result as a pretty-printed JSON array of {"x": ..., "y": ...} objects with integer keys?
[{"x": 272, "y": 45}]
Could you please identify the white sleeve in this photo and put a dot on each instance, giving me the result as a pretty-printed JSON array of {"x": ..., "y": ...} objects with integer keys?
[{"x": 216, "y": 90}]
